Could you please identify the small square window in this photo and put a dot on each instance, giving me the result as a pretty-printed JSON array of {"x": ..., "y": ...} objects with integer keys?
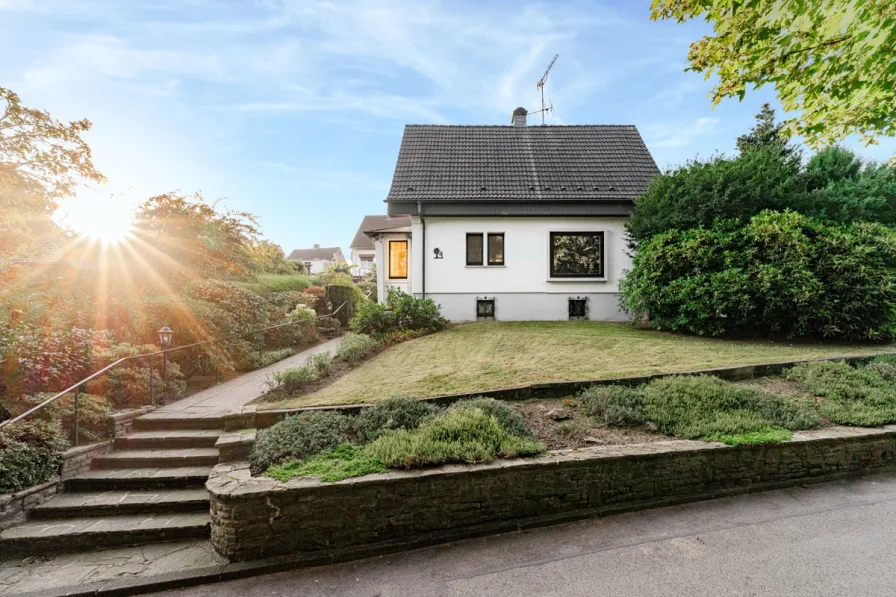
[
  {"x": 578, "y": 308},
  {"x": 485, "y": 308}
]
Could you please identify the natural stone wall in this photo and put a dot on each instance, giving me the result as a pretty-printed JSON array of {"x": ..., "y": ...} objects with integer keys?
[
  {"x": 77, "y": 460},
  {"x": 14, "y": 506},
  {"x": 122, "y": 423},
  {"x": 320, "y": 522}
]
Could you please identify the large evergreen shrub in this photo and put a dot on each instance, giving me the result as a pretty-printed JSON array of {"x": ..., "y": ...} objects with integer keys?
[{"x": 781, "y": 272}]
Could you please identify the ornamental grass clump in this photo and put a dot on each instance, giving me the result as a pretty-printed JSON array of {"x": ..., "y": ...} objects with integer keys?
[
  {"x": 457, "y": 435},
  {"x": 863, "y": 396}
]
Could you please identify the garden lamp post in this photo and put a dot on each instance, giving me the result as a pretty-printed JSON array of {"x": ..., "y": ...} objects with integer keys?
[{"x": 165, "y": 335}]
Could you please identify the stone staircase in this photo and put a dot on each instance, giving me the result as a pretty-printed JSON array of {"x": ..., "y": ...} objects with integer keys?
[{"x": 150, "y": 488}]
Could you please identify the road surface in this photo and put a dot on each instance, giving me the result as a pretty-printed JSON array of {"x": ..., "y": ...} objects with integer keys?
[{"x": 836, "y": 539}]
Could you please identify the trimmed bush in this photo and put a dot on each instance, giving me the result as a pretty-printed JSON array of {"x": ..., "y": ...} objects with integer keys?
[
  {"x": 510, "y": 420},
  {"x": 292, "y": 379},
  {"x": 298, "y": 437},
  {"x": 270, "y": 357},
  {"x": 373, "y": 318},
  {"x": 393, "y": 413},
  {"x": 356, "y": 347},
  {"x": 457, "y": 435},
  {"x": 29, "y": 454},
  {"x": 340, "y": 463},
  {"x": 781, "y": 272},
  {"x": 321, "y": 364},
  {"x": 852, "y": 396},
  {"x": 614, "y": 406},
  {"x": 337, "y": 294},
  {"x": 93, "y": 415}
]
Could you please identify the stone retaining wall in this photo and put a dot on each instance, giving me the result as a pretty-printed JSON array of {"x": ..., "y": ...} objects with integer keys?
[
  {"x": 324, "y": 522},
  {"x": 14, "y": 506}
]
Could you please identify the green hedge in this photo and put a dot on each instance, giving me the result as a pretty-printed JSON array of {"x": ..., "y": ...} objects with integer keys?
[{"x": 781, "y": 272}]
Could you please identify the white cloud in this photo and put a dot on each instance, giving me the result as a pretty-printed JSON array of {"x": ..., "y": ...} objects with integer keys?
[{"x": 681, "y": 134}]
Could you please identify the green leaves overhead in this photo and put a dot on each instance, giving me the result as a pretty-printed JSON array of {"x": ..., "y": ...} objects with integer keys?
[{"x": 832, "y": 61}]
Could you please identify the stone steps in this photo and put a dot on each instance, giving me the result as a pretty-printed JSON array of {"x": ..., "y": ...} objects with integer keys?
[
  {"x": 121, "y": 502},
  {"x": 75, "y": 534},
  {"x": 139, "y": 478},
  {"x": 151, "y": 488},
  {"x": 157, "y": 458},
  {"x": 173, "y": 421},
  {"x": 168, "y": 439}
]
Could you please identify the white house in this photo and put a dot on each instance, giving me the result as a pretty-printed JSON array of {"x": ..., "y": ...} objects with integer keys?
[
  {"x": 317, "y": 259},
  {"x": 514, "y": 222},
  {"x": 362, "y": 247}
]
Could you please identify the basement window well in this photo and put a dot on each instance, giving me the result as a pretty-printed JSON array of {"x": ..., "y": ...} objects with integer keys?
[
  {"x": 485, "y": 308},
  {"x": 578, "y": 308}
]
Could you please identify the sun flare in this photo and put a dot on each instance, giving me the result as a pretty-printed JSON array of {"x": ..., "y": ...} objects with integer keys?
[{"x": 105, "y": 220}]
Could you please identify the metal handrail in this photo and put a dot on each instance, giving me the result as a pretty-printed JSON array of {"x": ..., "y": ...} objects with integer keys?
[{"x": 76, "y": 386}]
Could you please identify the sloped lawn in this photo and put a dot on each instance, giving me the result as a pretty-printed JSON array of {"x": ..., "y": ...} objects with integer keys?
[{"x": 478, "y": 357}]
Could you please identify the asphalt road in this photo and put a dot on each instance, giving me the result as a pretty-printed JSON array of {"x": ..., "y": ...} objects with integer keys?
[{"x": 834, "y": 539}]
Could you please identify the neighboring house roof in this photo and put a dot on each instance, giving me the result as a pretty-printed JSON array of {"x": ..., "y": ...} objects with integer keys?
[
  {"x": 325, "y": 253},
  {"x": 520, "y": 164},
  {"x": 374, "y": 223}
]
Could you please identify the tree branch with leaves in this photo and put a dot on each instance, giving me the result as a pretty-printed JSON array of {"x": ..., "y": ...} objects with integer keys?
[{"x": 830, "y": 61}]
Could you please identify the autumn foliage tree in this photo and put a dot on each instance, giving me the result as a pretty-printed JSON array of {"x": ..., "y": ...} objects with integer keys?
[{"x": 41, "y": 161}]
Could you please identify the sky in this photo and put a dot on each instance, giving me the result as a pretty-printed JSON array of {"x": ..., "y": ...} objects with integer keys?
[{"x": 293, "y": 110}]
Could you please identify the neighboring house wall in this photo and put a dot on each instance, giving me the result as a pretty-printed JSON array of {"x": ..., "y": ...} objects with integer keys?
[
  {"x": 521, "y": 287},
  {"x": 363, "y": 259},
  {"x": 318, "y": 266}
]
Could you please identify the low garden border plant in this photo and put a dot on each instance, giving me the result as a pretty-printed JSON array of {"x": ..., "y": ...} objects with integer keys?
[{"x": 397, "y": 433}]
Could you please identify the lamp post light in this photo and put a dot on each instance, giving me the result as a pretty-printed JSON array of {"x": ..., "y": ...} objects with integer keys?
[{"x": 165, "y": 335}]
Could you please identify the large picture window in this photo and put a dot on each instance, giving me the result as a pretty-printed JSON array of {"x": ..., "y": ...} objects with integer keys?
[
  {"x": 398, "y": 259},
  {"x": 577, "y": 254},
  {"x": 474, "y": 249},
  {"x": 496, "y": 249}
]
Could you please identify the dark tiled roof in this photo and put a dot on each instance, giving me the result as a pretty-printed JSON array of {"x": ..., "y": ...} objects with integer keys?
[
  {"x": 521, "y": 163},
  {"x": 325, "y": 253},
  {"x": 371, "y": 223}
]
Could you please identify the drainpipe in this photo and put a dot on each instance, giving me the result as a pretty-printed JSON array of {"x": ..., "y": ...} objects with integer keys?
[{"x": 423, "y": 251}]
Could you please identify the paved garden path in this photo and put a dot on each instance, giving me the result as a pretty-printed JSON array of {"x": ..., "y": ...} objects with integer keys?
[{"x": 237, "y": 392}]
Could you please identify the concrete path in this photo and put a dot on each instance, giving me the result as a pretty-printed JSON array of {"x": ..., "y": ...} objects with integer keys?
[
  {"x": 826, "y": 540},
  {"x": 237, "y": 392}
]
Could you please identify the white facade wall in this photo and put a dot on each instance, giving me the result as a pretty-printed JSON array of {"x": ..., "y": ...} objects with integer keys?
[
  {"x": 522, "y": 287},
  {"x": 318, "y": 266}
]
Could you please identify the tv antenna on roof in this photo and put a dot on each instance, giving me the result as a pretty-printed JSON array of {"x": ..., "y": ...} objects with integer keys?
[{"x": 540, "y": 85}]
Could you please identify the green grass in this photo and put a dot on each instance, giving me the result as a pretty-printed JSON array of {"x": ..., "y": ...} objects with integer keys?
[
  {"x": 478, "y": 357},
  {"x": 266, "y": 283},
  {"x": 342, "y": 462}
]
